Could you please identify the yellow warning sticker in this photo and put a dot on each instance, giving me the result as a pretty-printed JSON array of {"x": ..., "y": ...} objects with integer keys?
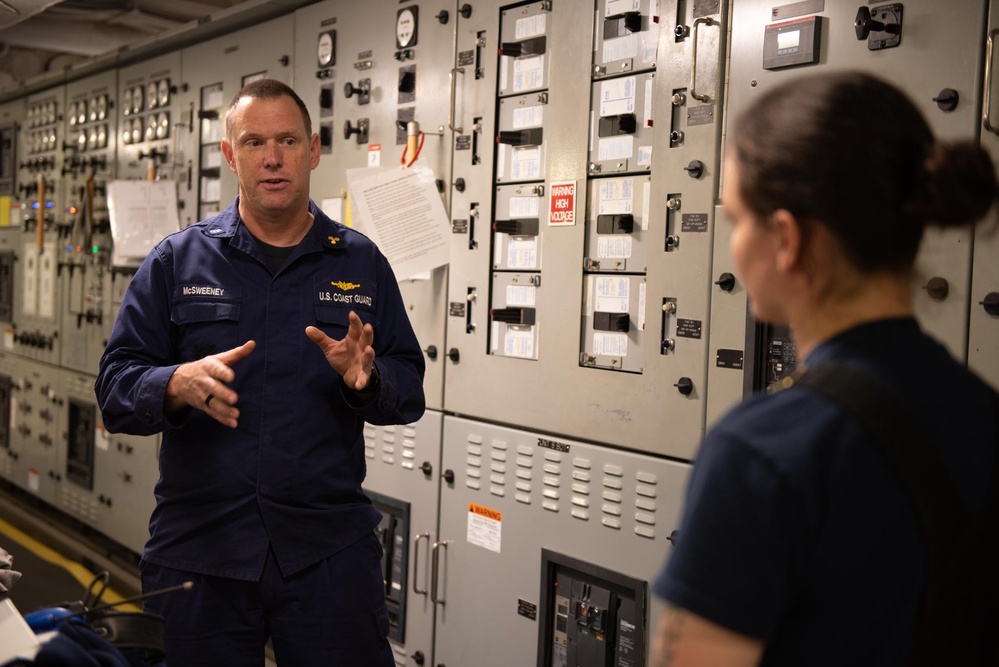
[{"x": 5, "y": 211}]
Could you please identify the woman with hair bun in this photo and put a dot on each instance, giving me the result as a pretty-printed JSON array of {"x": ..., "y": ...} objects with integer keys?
[{"x": 800, "y": 543}]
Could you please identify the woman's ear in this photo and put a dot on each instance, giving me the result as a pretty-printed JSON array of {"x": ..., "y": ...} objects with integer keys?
[{"x": 790, "y": 240}]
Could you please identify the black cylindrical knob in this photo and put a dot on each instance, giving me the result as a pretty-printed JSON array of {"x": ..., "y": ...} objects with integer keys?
[
  {"x": 427, "y": 468},
  {"x": 418, "y": 656},
  {"x": 459, "y": 184},
  {"x": 685, "y": 386},
  {"x": 991, "y": 303},
  {"x": 449, "y": 476},
  {"x": 937, "y": 288},
  {"x": 726, "y": 282},
  {"x": 443, "y": 17},
  {"x": 672, "y": 537},
  {"x": 349, "y": 129},
  {"x": 466, "y": 11},
  {"x": 947, "y": 99},
  {"x": 431, "y": 351},
  {"x": 349, "y": 90},
  {"x": 695, "y": 169},
  {"x": 453, "y": 354}
]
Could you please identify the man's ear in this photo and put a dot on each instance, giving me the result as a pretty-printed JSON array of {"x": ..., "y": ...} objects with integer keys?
[
  {"x": 227, "y": 152},
  {"x": 790, "y": 239}
]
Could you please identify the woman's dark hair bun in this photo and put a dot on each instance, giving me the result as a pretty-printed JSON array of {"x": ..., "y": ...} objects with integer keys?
[{"x": 957, "y": 185}]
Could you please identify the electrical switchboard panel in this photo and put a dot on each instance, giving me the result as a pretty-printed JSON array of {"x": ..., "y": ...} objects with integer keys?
[{"x": 590, "y": 616}]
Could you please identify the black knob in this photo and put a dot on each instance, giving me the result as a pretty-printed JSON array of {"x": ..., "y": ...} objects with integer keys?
[
  {"x": 431, "y": 351},
  {"x": 685, "y": 386},
  {"x": 459, "y": 185},
  {"x": 672, "y": 537},
  {"x": 991, "y": 303},
  {"x": 947, "y": 99},
  {"x": 439, "y": 182},
  {"x": 937, "y": 288},
  {"x": 453, "y": 354},
  {"x": 349, "y": 129},
  {"x": 443, "y": 17},
  {"x": 726, "y": 282},
  {"x": 349, "y": 90},
  {"x": 427, "y": 468},
  {"x": 284, "y": 60},
  {"x": 863, "y": 23},
  {"x": 695, "y": 169},
  {"x": 449, "y": 476},
  {"x": 466, "y": 11}
]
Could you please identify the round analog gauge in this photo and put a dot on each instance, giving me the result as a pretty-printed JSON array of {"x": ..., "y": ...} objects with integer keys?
[
  {"x": 102, "y": 136},
  {"x": 126, "y": 102},
  {"x": 81, "y": 112},
  {"x": 138, "y": 100},
  {"x": 151, "y": 127},
  {"x": 324, "y": 51},
  {"x": 152, "y": 95},
  {"x": 102, "y": 107},
  {"x": 136, "y": 130},
  {"x": 126, "y": 132},
  {"x": 94, "y": 141},
  {"x": 81, "y": 140},
  {"x": 72, "y": 114},
  {"x": 163, "y": 94},
  {"x": 52, "y": 139},
  {"x": 405, "y": 28},
  {"x": 163, "y": 126},
  {"x": 93, "y": 109},
  {"x": 51, "y": 112},
  {"x": 36, "y": 142}
]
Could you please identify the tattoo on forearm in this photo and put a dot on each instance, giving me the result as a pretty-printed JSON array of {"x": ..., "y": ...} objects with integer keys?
[{"x": 669, "y": 634}]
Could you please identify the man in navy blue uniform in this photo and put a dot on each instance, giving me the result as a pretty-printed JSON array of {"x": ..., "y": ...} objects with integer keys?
[{"x": 259, "y": 342}]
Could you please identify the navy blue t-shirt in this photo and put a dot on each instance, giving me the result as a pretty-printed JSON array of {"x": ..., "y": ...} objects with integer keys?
[{"x": 795, "y": 530}]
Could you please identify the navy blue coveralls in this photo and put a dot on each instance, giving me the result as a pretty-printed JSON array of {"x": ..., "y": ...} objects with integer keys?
[
  {"x": 795, "y": 530},
  {"x": 284, "y": 487}
]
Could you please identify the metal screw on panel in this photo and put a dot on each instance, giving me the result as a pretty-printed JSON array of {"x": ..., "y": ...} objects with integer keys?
[{"x": 678, "y": 99}]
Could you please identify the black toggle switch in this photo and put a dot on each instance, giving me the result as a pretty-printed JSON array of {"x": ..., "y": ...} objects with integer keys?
[
  {"x": 612, "y": 126},
  {"x": 695, "y": 169},
  {"x": 520, "y": 316},
  {"x": 529, "y": 47},
  {"x": 618, "y": 223},
  {"x": 531, "y": 137},
  {"x": 611, "y": 321},
  {"x": 517, "y": 226}
]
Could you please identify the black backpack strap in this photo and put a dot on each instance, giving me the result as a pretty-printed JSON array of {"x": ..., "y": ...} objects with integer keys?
[{"x": 957, "y": 594}]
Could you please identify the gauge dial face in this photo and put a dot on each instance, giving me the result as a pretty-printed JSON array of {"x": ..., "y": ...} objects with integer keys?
[
  {"x": 152, "y": 95},
  {"x": 151, "y": 128},
  {"x": 136, "y": 130},
  {"x": 93, "y": 109},
  {"x": 163, "y": 92},
  {"x": 102, "y": 107},
  {"x": 163, "y": 126},
  {"x": 405, "y": 28},
  {"x": 138, "y": 99},
  {"x": 326, "y": 49},
  {"x": 126, "y": 132},
  {"x": 126, "y": 102},
  {"x": 72, "y": 114}
]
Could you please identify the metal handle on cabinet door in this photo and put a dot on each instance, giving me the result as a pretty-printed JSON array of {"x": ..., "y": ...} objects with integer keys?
[
  {"x": 433, "y": 572},
  {"x": 693, "y": 60},
  {"x": 416, "y": 562},
  {"x": 453, "y": 80},
  {"x": 986, "y": 120}
]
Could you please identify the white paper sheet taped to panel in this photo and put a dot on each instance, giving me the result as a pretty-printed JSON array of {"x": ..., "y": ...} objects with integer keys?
[
  {"x": 610, "y": 344},
  {"x": 532, "y": 116},
  {"x": 528, "y": 73},
  {"x": 522, "y": 253},
  {"x": 617, "y": 96},
  {"x": 519, "y": 342},
  {"x": 615, "y": 196},
  {"x": 611, "y": 294},
  {"x": 614, "y": 246},
  {"x": 530, "y": 26},
  {"x": 521, "y": 295}
]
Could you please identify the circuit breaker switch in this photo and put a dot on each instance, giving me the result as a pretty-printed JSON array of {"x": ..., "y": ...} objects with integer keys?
[
  {"x": 611, "y": 322},
  {"x": 528, "y": 47},
  {"x": 612, "y": 126},
  {"x": 518, "y": 226},
  {"x": 620, "y": 223},
  {"x": 521, "y": 316},
  {"x": 530, "y": 137}
]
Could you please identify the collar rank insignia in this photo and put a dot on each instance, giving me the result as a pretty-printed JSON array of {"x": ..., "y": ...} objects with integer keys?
[{"x": 333, "y": 239}]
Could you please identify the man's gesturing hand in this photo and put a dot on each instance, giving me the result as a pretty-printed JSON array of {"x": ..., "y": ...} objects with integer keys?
[
  {"x": 351, "y": 357},
  {"x": 203, "y": 384}
]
